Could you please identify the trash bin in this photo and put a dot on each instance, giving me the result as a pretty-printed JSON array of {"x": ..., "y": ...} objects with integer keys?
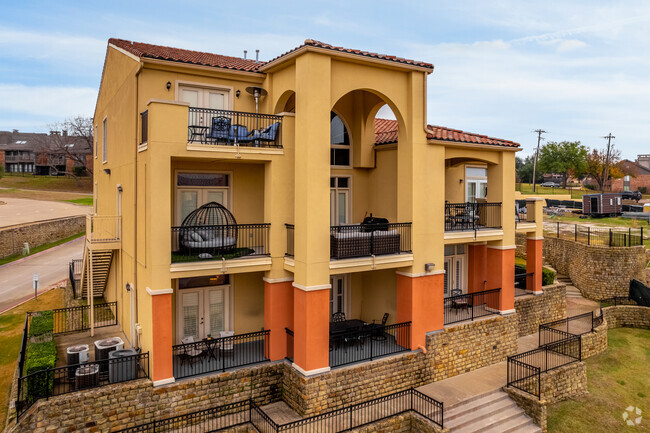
[
  {"x": 87, "y": 376},
  {"x": 121, "y": 369}
]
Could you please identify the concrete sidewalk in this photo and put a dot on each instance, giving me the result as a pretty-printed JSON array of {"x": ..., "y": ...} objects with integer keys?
[
  {"x": 21, "y": 210},
  {"x": 50, "y": 265}
]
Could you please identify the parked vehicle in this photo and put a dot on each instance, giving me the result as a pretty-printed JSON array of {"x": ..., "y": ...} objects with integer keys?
[
  {"x": 631, "y": 195},
  {"x": 549, "y": 184}
]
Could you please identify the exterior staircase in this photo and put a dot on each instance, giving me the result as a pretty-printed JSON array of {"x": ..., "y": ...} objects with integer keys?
[
  {"x": 101, "y": 266},
  {"x": 493, "y": 412},
  {"x": 571, "y": 290}
]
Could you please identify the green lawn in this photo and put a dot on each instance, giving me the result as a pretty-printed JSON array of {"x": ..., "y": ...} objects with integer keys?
[
  {"x": 527, "y": 188},
  {"x": 86, "y": 201},
  {"x": 49, "y": 183},
  {"x": 38, "y": 249},
  {"x": 617, "y": 379},
  {"x": 11, "y": 331}
]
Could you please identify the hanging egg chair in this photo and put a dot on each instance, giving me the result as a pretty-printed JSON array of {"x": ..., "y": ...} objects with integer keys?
[{"x": 210, "y": 229}]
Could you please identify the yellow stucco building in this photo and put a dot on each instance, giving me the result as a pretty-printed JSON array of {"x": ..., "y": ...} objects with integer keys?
[{"x": 229, "y": 195}]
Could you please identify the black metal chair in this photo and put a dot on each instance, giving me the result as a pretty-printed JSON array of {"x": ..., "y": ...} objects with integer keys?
[
  {"x": 461, "y": 303},
  {"x": 378, "y": 333},
  {"x": 339, "y": 316}
]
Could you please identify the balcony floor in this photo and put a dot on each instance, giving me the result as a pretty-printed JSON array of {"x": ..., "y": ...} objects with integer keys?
[
  {"x": 242, "y": 354},
  {"x": 344, "y": 353},
  {"x": 64, "y": 341}
]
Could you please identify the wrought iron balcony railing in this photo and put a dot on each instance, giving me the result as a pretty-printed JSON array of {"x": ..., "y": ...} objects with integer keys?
[{"x": 234, "y": 128}]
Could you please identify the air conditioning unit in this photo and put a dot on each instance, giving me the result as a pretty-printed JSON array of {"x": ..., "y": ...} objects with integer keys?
[
  {"x": 77, "y": 354},
  {"x": 122, "y": 365},
  {"x": 103, "y": 348}
]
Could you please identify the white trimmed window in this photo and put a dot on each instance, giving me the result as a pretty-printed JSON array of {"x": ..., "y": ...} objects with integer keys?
[
  {"x": 104, "y": 147},
  {"x": 340, "y": 142}
]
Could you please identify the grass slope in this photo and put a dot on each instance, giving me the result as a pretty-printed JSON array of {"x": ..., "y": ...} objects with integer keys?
[
  {"x": 38, "y": 249},
  {"x": 11, "y": 331},
  {"x": 618, "y": 378},
  {"x": 48, "y": 183}
]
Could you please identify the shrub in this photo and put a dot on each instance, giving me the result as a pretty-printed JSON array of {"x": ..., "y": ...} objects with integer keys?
[
  {"x": 548, "y": 276},
  {"x": 643, "y": 190},
  {"x": 589, "y": 186},
  {"x": 42, "y": 323},
  {"x": 40, "y": 356},
  {"x": 79, "y": 171}
]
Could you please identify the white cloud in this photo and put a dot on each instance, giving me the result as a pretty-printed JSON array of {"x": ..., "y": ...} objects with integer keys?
[{"x": 56, "y": 103}]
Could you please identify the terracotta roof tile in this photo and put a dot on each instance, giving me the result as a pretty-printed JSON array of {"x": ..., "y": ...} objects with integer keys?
[
  {"x": 386, "y": 132},
  {"x": 160, "y": 52},
  {"x": 318, "y": 44}
]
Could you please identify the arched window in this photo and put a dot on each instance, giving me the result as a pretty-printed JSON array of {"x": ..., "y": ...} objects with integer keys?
[{"x": 340, "y": 142}]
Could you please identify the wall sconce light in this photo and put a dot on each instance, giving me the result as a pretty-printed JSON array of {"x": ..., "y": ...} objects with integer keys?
[
  {"x": 460, "y": 180},
  {"x": 107, "y": 170},
  {"x": 428, "y": 267},
  {"x": 237, "y": 93},
  {"x": 169, "y": 85},
  {"x": 119, "y": 188},
  {"x": 128, "y": 287}
]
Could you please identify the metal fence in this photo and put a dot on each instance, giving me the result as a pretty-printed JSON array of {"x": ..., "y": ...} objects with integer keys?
[
  {"x": 209, "y": 242},
  {"x": 577, "y": 325},
  {"x": 74, "y": 276},
  {"x": 362, "y": 240},
  {"x": 290, "y": 240},
  {"x": 369, "y": 342},
  {"x": 220, "y": 354},
  {"x": 617, "y": 300},
  {"x": 234, "y": 128},
  {"x": 525, "y": 369},
  {"x": 289, "y": 334},
  {"x": 76, "y": 319},
  {"x": 347, "y": 418},
  {"x": 470, "y": 306},
  {"x": 472, "y": 216},
  {"x": 601, "y": 236},
  {"x": 62, "y": 380}
]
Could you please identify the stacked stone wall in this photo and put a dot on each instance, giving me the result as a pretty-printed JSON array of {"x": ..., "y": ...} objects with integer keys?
[
  {"x": 533, "y": 406},
  {"x": 563, "y": 383},
  {"x": 594, "y": 342},
  {"x": 13, "y": 238},
  {"x": 533, "y": 310},
  {"x": 628, "y": 316}
]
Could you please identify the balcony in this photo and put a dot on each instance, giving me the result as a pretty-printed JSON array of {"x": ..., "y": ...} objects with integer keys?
[
  {"x": 363, "y": 240},
  {"x": 104, "y": 231},
  {"x": 472, "y": 216},
  {"x": 234, "y": 128},
  {"x": 219, "y": 242}
]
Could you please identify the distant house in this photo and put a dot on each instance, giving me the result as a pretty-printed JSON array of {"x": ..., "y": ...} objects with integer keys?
[
  {"x": 638, "y": 178},
  {"x": 53, "y": 154}
]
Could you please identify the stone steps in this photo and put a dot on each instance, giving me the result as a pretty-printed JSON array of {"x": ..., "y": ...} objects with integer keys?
[
  {"x": 571, "y": 290},
  {"x": 491, "y": 412}
]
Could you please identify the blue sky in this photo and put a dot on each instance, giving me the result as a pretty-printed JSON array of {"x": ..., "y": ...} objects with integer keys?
[{"x": 577, "y": 69}]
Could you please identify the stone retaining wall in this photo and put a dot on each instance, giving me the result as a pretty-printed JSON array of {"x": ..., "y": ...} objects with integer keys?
[
  {"x": 533, "y": 310},
  {"x": 598, "y": 272},
  {"x": 138, "y": 402},
  {"x": 534, "y": 407},
  {"x": 12, "y": 238},
  {"x": 594, "y": 342},
  {"x": 628, "y": 316}
]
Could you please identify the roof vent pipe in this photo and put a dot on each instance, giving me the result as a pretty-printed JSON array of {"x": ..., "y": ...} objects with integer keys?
[
  {"x": 245, "y": 52},
  {"x": 257, "y": 56}
]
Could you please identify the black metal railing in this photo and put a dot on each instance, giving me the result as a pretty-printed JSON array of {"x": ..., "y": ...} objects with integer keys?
[
  {"x": 470, "y": 306},
  {"x": 76, "y": 319},
  {"x": 144, "y": 124},
  {"x": 290, "y": 240},
  {"x": 600, "y": 236},
  {"x": 220, "y": 354},
  {"x": 214, "y": 242},
  {"x": 362, "y": 240},
  {"x": 74, "y": 276},
  {"x": 234, "y": 128},
  {"x": 289, "y": 333},
  {"x": 62, "y": 380},
  {"x": 472, "y": 216},
  {"x": 525, "y": 369},
  {"x": 617, "y": 300},
  {"x": 522, "y": 277},
  {"x": 557, "y": 330},
  {"x": 344, "y": 419},
  {"x": 369, "y": 342},
  {"x": 23, "y": 346}
]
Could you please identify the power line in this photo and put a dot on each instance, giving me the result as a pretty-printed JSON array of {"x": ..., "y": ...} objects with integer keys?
[
  {"x": 539, "y": 139},
  {"x": 606, "y": 174}
]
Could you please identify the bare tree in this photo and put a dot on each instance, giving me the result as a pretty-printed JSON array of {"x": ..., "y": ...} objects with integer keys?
[{"x": 71, "y": 139}]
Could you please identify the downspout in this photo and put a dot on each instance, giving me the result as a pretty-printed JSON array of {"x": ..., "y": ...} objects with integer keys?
[{"x": 135, "y": 207}]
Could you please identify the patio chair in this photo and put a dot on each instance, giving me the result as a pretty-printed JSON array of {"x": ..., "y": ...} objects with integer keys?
[
  {"x": 191, "y": 352},
  {"x": 268, "y": 134},
  {"x": 227, "y": 346},
  {"x": 220, "y": 129},
  {"x": 378, "y": 333},
  {"x": 461, "y": 303},
  {"x": 339, "y": 316}
]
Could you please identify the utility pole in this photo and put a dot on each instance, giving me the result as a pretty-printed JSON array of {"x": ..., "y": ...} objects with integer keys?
[
  {"x": 539, "y": 139},
  {"x": 606, "y": 174}
]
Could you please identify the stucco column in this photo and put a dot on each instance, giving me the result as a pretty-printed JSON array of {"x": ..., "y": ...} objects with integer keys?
[
  {"x": 501, "y": 274},
  {"x": 311, "y": 329},
  {"x": 278, "y": 314},
  {"x": 476, "y": 267},
  {"x": 161, "y": 362},
  {"x": 420, "y": 300},
  {"x": 534, "y": 259}
]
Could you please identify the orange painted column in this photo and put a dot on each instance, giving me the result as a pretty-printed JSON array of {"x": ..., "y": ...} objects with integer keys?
[
  {"x": 420, "y": 300},
  {"x": 311, "y": 330},
  {"x": 476, "y": 267},
  {"x": 161, "y": 356},
  {"x": 501, "y": 274},
  {"x": 278, "y": 315},
  {"x": 534, "y": 261}
]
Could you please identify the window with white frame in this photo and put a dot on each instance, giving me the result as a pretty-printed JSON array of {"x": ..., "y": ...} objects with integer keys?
[
  {"x": 104, "y": 147},
  {"x": 340, "y": 142},
  {"x": 339, "y": 201}
]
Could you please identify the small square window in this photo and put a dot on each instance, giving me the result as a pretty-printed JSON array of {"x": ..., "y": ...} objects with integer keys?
[{"x": 343, "y": 182}]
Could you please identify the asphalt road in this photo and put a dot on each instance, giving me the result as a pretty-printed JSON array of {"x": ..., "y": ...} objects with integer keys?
[{"x": 50, "y": 265}]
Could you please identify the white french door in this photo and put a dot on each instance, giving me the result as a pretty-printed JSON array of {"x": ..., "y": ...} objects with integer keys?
[
  {"x": 190, "y": 199},
  {"x": 203, "y": 312},
  {"x": 338, "y": 295},
  {"x": 476, "y": 189},
  {"x": 339, "y": 201},
  {"x": 455, "y": 274},
  {"x": 203, "y": 98}
]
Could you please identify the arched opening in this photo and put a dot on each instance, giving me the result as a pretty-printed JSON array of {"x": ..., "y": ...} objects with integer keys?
[
  {"x": 339, "y": 142},
  {"x": 286, "y": 103}
]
